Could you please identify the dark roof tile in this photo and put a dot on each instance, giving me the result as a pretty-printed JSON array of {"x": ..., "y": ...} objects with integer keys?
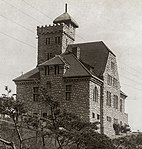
[
  {"x": 30, "y": 75},
  {"x": 94, "y": 54}
]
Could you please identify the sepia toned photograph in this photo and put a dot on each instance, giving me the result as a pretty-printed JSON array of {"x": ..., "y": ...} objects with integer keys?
[{"x": 70, "y": 74}]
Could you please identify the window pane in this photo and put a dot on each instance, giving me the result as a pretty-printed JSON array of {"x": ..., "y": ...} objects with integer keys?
[
  {"x": 108, "y": 102},
  {"x": 95, "y": 94},
  {"x": 109, "y": 79},
  {"x": 68, "y": 95},
  {"x": 48, "y": 41},
  {"x": 35, "y": 97},
  {"x": 93, "y": 115},
  {"x": 48, "y": 84},
  {"x": 68, "y": 88},
  {"x": 35, "y": 89},
  {"x": 44, "y": 115},
  {"x": 108, "y": 119},
  {"x": 112, "y": 66},
  {"x": 98, "y": 116},
  {"x": 120, "y": 105}
]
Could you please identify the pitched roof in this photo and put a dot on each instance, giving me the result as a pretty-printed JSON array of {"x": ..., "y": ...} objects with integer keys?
[
  {"x": 94, "y": 54},
  {"x": 66, "y": 18},
  {"x": 57, "y": 60},
  {"x": 122, "y": 93},
  {"x": 76, "y": 69},
  {"x": 30, "y": 75}
]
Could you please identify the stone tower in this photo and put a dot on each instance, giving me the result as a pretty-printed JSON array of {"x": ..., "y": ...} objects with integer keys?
[{"x": 53, "y": 40}]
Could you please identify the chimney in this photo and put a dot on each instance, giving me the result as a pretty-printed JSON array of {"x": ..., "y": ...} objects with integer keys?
[{"x": 76, "y": 51}]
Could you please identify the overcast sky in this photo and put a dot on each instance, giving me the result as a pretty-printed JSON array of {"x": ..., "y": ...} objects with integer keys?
[{"x": 117, "y": 23}]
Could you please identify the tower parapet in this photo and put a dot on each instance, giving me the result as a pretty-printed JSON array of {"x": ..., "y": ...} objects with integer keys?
[{"x": 54, "y": 39}]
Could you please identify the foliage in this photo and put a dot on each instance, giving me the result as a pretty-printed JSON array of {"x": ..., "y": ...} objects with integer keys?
[
  {"x": 69, "y": 130},
  {"x": 130, "y": 141},
  {"x": 121, "y": 128}
]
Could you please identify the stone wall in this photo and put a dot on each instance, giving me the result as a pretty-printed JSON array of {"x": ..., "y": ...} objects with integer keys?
[
  {"x": 79, "y": 103},
  {"x": 25, "y": 93},
  {"x": 110, "y": 111},
  {"x": 66, "y": 34},
  {"x": 94, "y": 106}
]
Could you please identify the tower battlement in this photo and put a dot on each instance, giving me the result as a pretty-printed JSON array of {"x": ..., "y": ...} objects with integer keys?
[
  {"x": 54, "y": 39},
  {"x": 50, "y": 28}
]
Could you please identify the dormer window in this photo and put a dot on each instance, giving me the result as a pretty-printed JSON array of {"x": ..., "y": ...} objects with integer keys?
[{"x": 57, "y": 70}]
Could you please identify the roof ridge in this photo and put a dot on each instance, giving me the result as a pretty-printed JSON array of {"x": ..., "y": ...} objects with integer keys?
[{"x": 91, "y": 42}]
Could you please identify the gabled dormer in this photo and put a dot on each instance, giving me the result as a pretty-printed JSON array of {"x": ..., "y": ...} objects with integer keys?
[{"x": 54, "y": 66}]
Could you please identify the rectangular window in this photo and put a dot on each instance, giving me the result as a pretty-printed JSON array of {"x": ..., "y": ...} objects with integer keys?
[
  {"x": 98, "y": 117},
  {"x": 115, "y": 101},
  {"x": 121, "y": 104},
  {"x": 48, "y": 85},
  {"x": 95, "y": 94},
  {"x": 115, "y": 121},
  {"x": 48, "y": 41},
  {"x": 115, "y": 83},
  {"x": 93, "y": 115},
  {"x": 45, "y": 70},
  {"x": 112, "y": 66},
  {"x": 44, "y": 115},
  {"x": 57, "y": 40},
  {"x": 108, "y": 101},
  {"x": 108, "y": 118},
  {"x": 49, "y": 56},
  {"x": 56, "y": 69},
  {"x": 68, "y": 92},
  {"x": 35, "y": 93},
  {"x": 109, "y": 80}
]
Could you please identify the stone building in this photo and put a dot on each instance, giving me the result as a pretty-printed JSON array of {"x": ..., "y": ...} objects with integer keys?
[{"x": 83, "y": 77}]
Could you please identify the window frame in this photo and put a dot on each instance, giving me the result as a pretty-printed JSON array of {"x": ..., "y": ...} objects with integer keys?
[
  {"x": 93, "y": 115},
  {"x": 58, "y": 40},
  {"x": 68, "y": 91},
  {"x": 112, "y": 66},
  {"x": 95, "y": 94},
  {"x": 48, "y": 85},
  {"x": 48, "y": 41},
  {"x": 108, "y": 101},
  {"x": 109, "y": 119},
  {"x": 56, "y": 69},
  {"x": 109, "y": 80},
  {"x": 98, "y": 117},
  {"x": 36, "y": 94},
  {"x": 121, "y": 105},
  {"x": 115, "y": 83},
  {"x": 115, "y": 101}
]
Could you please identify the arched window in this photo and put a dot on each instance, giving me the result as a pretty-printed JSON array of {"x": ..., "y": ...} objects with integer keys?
[{"x": 95, "y": 94}]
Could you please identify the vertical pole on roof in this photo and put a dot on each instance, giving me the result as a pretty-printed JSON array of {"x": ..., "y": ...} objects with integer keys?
[{"x": 66, "y": 8}]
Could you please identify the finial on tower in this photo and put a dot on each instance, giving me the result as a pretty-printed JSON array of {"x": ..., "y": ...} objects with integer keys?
[{"x": 66, "y": 7}]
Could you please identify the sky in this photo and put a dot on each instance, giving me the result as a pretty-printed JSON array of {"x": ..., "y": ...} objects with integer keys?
[{"x": 117, "y": 23}]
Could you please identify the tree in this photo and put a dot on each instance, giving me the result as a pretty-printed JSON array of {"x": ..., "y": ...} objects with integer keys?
[
  {"x": 13, "y": 110},
  {"x": 65, "y": 130},
  {"x": 69, "y": 130}
]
